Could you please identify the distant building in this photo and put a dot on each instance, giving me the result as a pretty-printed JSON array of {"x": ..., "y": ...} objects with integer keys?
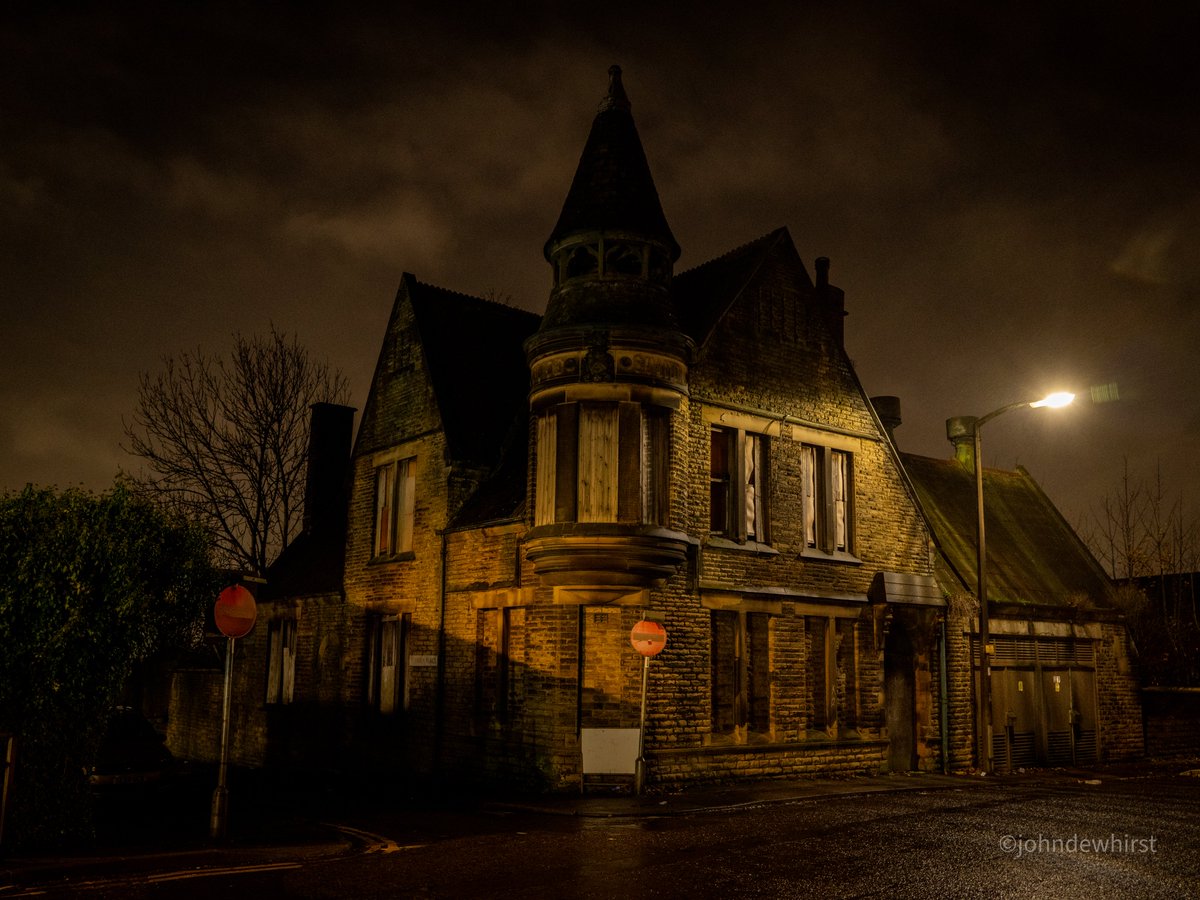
[{"x": 693, "y": 448}]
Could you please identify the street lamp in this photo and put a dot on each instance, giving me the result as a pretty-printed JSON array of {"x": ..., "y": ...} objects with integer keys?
[{"x": 962, "y": 426}]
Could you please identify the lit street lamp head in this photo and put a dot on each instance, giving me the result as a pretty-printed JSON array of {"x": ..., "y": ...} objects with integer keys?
[{"x": 1054, "y": 401}]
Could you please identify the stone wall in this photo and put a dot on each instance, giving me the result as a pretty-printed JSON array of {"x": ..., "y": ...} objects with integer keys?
[
  {"x": 960, "y": 671},
  {"x": 1119, "y": 704},
  {"x": 1172, "y": 721},
  {"x": 796, "y": 760},
  {"x": 312, "y": 730}
]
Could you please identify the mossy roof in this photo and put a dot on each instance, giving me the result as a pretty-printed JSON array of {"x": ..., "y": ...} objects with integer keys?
[{"x": 1034, "y": 557}]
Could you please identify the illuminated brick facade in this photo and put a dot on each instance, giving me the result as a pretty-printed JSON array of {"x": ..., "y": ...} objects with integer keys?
[{"x": 691, "y": 447}]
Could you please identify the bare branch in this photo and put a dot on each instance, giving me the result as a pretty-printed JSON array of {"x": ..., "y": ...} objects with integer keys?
[{"x": 224, "y": 440}]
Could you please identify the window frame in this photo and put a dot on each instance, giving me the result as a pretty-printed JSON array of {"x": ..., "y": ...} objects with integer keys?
[
  {"x": 603, "y": 462},
  {"x": 281, "y": 661},
  {"x": 655, "y": 465},
  {"x": 821, "y": 672},
  {"x": 742, "y": 485},
  {"x": 493, "y": 666},
  {"x": 827, "y": 505},
  {"x": 395, "y": 509},
  {"x": 387, "y": 650},
  {"x": 746, "y": 659},
  {"x": 598, "y": 463}
]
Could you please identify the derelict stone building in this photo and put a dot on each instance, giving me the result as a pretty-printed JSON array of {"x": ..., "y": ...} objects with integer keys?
[{"x": 692, "y": 447}]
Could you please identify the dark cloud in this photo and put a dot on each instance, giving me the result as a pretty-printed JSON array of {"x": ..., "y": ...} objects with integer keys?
[{"x": 1007, "y": 193}]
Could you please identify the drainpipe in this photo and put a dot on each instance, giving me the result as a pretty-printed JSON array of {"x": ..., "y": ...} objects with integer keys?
[
  {"x": 580, "y": 646},
  {"x": 439, "y": 720},
  {"x": 945, "y": 704}
]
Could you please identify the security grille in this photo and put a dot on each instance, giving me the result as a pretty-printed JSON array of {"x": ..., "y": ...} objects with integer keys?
[
  {"x": 1013, "y": 750},
  {"x": 1023, "y": 749},
  {"x": 1011, "y": 650},
  {"x": 1085, "y": 747},
  {"x": 1059, "y": 748}
]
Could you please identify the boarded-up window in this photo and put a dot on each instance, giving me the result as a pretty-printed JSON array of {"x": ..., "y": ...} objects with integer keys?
[
  {"x": 758, "y": 671},
  {"x": 387, "y": 655},
  {"x": 597, "y": 463},
  {"x": 821, "y": 671},
  {"x": 741, "y": 672},
  {"x": 726, "y": 672},
  {"x": 281, "y": 660},
  {"x": 547, "y": 446},
  {"x": 492, "y": 665},
  {"x": 655, "y": 455},
  {"x": 849, "y": 702}
]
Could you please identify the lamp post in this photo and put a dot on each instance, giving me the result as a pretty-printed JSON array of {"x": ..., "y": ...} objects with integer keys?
[{"x": 973, "y": 426}]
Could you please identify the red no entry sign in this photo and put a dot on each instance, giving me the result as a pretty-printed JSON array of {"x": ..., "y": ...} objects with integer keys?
[
  {"x": 648, "y": 638},
  {"x": 235, "y": 611}
]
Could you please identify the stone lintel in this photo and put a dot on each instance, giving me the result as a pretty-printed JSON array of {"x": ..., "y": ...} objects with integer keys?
[
  {"x": 501, "y": 597},
  {"x": 600, "y": 595},
  {"x": 767, "y": 599}
]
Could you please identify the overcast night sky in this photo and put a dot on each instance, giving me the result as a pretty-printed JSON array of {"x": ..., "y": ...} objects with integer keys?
[{"x": 1009, "y": 196}]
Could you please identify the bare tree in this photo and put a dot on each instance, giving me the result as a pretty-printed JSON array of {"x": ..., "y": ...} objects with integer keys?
[
  {"x": 1119, "y": 539},
  {"x": 1151, "y": 547},
  {"x": 224, "y": 440}
]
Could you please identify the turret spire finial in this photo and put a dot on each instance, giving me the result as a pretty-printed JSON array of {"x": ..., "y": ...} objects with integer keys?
[{"x": 617, "y": 98}]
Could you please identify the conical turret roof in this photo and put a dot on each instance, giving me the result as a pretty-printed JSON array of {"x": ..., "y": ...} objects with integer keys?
[{"x": 613, "y": 188}]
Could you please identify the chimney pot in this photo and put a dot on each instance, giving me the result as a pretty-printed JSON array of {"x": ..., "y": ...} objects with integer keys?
[
  {"x": 822, "y": 266},
  {"x": 961, "y": 432}
]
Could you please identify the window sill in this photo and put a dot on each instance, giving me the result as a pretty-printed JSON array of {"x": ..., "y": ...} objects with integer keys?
[
  {"x": 738, "y": 737},
  {"x": 746, "y": 547},
  {"x": 837, "y": 556},
  {"x": 394, "y": 557}
]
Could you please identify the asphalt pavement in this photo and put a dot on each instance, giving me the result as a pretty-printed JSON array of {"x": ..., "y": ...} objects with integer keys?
[{"x": 164, "y": 828}]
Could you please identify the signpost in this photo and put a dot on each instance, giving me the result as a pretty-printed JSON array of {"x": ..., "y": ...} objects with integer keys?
[
  {"x": 648, "y": 638},
  {"x": 234, "y": 612}
]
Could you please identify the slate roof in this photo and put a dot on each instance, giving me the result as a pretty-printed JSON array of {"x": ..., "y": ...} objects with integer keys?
[
  {"x": 313, "y": 563},
  {"x": 612, "y": 188},
  {"x": 1033, "y": 556},
  {"x": 474, "y": 351},
  {"x": 704, "y": 293},
  {"x": 501, "y": 497}
]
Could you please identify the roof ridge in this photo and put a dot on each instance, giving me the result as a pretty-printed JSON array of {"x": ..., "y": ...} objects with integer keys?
[
  {"x": 742, "y": 248},
  {"x": 499, "y": 304}
]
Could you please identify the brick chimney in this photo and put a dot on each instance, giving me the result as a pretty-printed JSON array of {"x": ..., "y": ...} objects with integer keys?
[
  {"x": 888, "y": 410},
  {"x": 330, "y": 430},
  {"x": 832, "y": 300}
]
